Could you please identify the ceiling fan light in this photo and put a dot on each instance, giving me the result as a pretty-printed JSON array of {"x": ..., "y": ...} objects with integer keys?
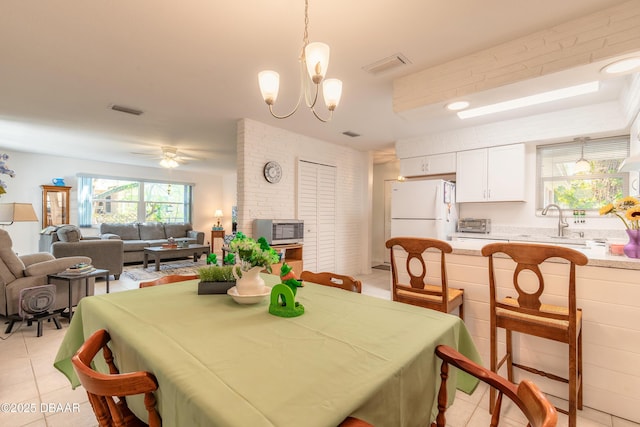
[
  {"x": 168, "y": 163},
  {"x": 269, "y": 82},
  {"x": 316, "y": 56},
  {"x": 332, "y": 91}
]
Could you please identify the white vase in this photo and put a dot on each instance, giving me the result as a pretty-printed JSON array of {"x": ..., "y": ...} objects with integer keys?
[{"x": 251, "y": 282}]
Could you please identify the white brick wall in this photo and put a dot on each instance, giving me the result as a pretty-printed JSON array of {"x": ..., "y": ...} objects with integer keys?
[
  {"x": 259, "y": 143},
  {"x": 605, "y": 34}
]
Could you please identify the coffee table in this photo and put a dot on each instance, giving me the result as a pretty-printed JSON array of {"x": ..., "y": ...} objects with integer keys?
[{"x": 159, "y": 253}]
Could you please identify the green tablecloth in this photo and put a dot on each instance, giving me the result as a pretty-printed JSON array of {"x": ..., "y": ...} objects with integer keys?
[{"x": 219, "y": 363}]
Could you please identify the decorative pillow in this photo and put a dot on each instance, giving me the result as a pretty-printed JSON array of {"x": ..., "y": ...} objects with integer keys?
[
  {"x": 151, "y": 231},
  {"x": 127, "y": 231},
  {"x": 69, "y": 233},
  {"x": 176, "y": 230}
]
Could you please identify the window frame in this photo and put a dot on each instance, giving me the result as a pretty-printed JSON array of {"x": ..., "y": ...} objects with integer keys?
[
  {"x": 540, "y": 180},
  {"x": 87, "y": 194}
]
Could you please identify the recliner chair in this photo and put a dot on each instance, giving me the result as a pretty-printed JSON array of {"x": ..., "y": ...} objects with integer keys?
[{"x": 19, "y": 272}]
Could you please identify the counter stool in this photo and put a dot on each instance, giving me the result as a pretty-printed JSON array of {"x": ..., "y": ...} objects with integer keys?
[
  {"x": 527, "y": 314},
  {"x": 419, "y": 292}
]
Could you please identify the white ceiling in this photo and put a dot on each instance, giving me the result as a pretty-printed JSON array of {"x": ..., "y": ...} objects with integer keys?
[{"x": 192, "y": 65}]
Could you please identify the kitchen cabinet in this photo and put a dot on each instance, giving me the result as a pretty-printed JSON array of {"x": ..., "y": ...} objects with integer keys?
[
  {"x": 495, "y": 174},
  {"x": 428, "y": 165}
]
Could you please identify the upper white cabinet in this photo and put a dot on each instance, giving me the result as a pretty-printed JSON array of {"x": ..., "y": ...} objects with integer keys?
[
  {"x": 493, "y": 174},
  {"x": 428, "y": 165}
]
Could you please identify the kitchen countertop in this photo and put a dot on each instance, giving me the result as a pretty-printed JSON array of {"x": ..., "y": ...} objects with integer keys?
[{"x": 471, "y": 244}]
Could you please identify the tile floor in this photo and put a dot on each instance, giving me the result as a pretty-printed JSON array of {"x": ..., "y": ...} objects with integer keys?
[{"x": 40, "y": 396}]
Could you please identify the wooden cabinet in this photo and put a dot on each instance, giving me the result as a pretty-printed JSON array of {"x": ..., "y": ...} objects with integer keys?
[
  {"x": 55, "y": 205},
  {"x": 495, "y": 174},
  {"x": 292, "y": 256},
  {"x": 428, "y": 165}
]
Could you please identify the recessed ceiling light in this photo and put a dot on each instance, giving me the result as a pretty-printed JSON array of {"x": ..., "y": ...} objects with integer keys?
[
  {"x": 527, "y": 101},
  {"x": 457, "y": 105},
  {"x": 622, "y": 66}
]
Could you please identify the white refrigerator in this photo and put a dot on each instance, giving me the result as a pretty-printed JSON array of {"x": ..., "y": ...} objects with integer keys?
[{"x": 424, "y": 208}]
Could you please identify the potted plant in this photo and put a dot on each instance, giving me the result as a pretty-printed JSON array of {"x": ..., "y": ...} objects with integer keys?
[
  {"x": 215, "y": 279},
  {"x": 253, "y": 256}
]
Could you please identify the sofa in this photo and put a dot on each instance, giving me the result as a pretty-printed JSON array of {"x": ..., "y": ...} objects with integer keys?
[
  {"x": 67, "y": 240},
  {"x": 26, "y": 271},
  {"x": 137, "y": 236}
]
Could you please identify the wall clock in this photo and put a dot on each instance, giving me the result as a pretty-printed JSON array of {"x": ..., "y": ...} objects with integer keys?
[{"x": 272, "y": 172}]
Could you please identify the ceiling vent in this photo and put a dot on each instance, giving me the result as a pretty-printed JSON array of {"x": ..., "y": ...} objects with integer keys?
[
  {"x": 127, "y": 110},
  {"x": 351, "y": 134},
  {"x": 386, "y": 64}
]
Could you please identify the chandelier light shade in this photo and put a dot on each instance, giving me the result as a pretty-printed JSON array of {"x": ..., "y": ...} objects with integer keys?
[
  {"x": 332, "y": 90},
  {"x": 314, "y": 63},
  {"x": 269, "y": 85},
  {"x": 317, "y": 59}
]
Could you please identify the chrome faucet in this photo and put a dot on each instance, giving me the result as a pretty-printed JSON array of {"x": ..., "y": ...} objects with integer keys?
[{"x": 562, "y": 224}]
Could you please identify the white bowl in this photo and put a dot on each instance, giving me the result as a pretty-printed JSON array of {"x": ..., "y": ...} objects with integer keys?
[{"x": 248, "y": 299}]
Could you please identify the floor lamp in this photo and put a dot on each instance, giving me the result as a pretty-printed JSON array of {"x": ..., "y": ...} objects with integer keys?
[{"x": 16, "y": 212}]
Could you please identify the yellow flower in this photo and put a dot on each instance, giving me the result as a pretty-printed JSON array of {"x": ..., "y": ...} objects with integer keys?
[
  {"x": 606, "y": 209},
  {"x": 633, "y": 213},
  {"x": 627, "y": 207},
  {"x": 626, "y": 203}
]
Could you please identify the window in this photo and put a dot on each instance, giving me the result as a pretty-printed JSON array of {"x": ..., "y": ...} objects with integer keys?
[
  {"x": 125, "y": 200},
  {"x": 562, "y": 183}
]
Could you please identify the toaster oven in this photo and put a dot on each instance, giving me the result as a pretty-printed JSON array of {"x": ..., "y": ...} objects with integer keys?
[{"x": 474, "y": 225}]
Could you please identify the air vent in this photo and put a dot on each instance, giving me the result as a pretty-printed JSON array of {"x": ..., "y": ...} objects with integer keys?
[
  {"x": 351, "y": 134},
  {"x": 127, "y": 110},
  {"x": 387, "y": 64}
]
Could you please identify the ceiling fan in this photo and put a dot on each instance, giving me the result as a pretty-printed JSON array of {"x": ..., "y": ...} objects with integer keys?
[{"x": 170, "y": 157}]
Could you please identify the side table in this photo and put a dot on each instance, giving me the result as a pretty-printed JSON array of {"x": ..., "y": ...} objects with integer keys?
[
  {"x": 70, "y": 278},
  {"x": 216, "y": 234}
]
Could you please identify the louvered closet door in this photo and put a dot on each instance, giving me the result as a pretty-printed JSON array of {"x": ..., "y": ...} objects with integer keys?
[{"x": 317, "y": 208}]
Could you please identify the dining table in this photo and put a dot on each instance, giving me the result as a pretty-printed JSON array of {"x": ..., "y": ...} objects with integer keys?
[{"x": 220, "y": 363}]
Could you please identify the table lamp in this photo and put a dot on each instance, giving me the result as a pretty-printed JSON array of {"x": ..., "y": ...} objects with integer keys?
[
  {"x": 16, "y": 212},
  {"x": 218, "y": 215}
]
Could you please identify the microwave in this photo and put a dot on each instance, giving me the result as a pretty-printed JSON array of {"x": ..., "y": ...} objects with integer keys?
[{"x": 279, "y": 231}]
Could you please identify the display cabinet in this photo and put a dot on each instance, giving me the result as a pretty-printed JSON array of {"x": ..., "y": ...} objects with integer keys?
[{"x": 55, "y": 205}]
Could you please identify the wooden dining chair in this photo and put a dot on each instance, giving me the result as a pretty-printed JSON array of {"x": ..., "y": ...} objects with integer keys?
[
  {"x": 527, "y": 396},
  {"x": 528, "y": 314},
  {"x": 172, "y": 278},
  {"x": 354, "y": 422},
  {"x": 347, "y": 283},
  {"x": 419, "y": 291},
  {"x": 103, "y": 388}
]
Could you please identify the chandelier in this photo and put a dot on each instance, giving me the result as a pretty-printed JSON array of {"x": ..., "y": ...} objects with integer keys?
[{"x": 314, "y": 61}]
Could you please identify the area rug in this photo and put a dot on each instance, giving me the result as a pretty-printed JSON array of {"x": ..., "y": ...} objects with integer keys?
[{"x": 136, "y": 272}]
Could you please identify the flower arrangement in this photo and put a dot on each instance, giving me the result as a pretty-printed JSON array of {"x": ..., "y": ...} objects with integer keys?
[
  {"x": 253, "y": 253},
  {"x": 6, "y": 171},
  {"x": 627, "y": 209}
]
